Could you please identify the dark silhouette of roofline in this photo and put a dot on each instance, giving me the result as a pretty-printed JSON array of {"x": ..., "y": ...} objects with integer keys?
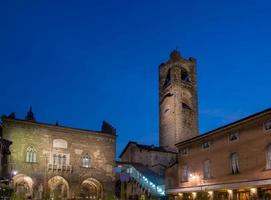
[
  {"x": 146, "y": 147},
  {"x": 4, "y": 118},
  {"x": 230, "y": 125}
]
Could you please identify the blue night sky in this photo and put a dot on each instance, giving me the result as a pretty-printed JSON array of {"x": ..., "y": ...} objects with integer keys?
[{"x": 81, "y": 62}]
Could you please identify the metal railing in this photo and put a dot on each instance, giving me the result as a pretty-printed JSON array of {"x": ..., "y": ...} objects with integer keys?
[{"x": 145, "y": 182}]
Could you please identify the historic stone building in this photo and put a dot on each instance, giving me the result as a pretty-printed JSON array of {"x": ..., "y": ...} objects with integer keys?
[
  {"x": 231, "y": 162},
  {"x": 142, "y": 169},
  {"x": 146, "y": 164},
  {"x": 155, "y": 158},
  {"x": 60, "y": 162}
]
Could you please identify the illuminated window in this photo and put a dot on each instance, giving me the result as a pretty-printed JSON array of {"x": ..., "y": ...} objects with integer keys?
[
  {"x": 268, "y": 157},
  {"x": 31, "y": 155},
  {"x": 207, "y": 169},
  {"x": 234, "y": 137},
  {"x": 267, "y": 126},
  {"x": 234, "y": 159},
  {"x": 64, "y": 160},
  {"x": 54, "y": 159},
  {"x": 59, "y": 158},
  {"x": 185, "y": 173},
  {"x": 86, "y": 161}
]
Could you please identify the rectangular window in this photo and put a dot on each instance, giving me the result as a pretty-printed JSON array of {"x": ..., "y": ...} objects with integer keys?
[
  {"x": 235, "y": 169},
  {"x": 54, "y": 159},
  {"x": 268, "y": 157},
  {"x": 86, "y": 161},
  {"x": 267, "y": 126},
  {"x": 184, "y": 152},
  {"x": 205, "y": 145},
  {"x": 233, "y": 136},
  {"x": 184, "y": 173},
  {"x": 59, "y": 159},
  {"x": 206, "y": 169}
]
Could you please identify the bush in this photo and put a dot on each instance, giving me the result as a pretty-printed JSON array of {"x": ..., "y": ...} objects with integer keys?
[{"x": 109, "y": 197}]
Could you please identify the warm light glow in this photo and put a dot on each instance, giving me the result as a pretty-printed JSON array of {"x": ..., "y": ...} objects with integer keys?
[
  {"x": 14, "y": 172},
  {"x": 253, "y": 190},
  {"x": 230, "y": 191},
  {"x": 211, "y": 193},
  {"x": 193, "y": 176},
  {"x": 180, "y": 194},
  {"x": 194, "y": 195}
]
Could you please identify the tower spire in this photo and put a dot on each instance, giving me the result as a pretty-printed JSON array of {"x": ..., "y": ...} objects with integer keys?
[{"x": 30, "y": 115}]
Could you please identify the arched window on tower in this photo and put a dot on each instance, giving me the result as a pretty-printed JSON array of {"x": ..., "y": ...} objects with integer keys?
[
  {"x": 31, "y": 155},
  {"x": 268, "y": 157},
  {"x": 86, "y": 161},
  {"x": 186, "y": 106},
  {"x": 185, "y": 75},
  {"x": 168, "y": 79}
]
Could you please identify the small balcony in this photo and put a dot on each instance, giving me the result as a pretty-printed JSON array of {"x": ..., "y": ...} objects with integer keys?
[{"x": 62, "y": 168}]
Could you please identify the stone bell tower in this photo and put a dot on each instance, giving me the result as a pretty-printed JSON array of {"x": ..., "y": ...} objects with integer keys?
[{"x": 178, "y": 100}]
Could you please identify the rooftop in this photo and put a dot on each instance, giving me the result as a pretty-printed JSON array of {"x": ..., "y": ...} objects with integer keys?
[
  {"x": 106, "y": 129},
  {"x": 145, "y": 147},
  {"x": 228, "y": 126}
]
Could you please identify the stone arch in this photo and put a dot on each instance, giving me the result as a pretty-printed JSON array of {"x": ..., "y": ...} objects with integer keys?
[
  {"x": 185, "y": 75},
  {"x": 23, "y": 185},
  {"x": 91, "y": 188},
  {"x": 59, "y": 187}
]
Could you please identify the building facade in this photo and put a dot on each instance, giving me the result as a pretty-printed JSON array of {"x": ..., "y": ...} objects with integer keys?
[
  {"x": 51, "y": 161},
  {"x": 142, "y": 169},
  {"x": 145, "y": 165},
  {"x": 231, "y": 162},
  {"x": 155, "y": 158}
]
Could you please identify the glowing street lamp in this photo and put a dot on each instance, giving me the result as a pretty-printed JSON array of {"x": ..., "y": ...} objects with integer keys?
[{"x": 14, "y": 172}]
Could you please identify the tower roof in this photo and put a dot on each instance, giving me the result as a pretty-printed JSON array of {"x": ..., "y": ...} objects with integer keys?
[{"x": 175, "y": 55}]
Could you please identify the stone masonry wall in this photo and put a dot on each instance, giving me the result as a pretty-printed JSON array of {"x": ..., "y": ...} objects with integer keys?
[{"x": 99, "y": 146}]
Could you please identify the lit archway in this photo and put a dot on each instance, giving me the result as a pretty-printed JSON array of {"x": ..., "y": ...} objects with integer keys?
[
  {"x": 58, "y": 188},
  {"x": 91, "y": 189},
  {"x": 23, "y": 185}
]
